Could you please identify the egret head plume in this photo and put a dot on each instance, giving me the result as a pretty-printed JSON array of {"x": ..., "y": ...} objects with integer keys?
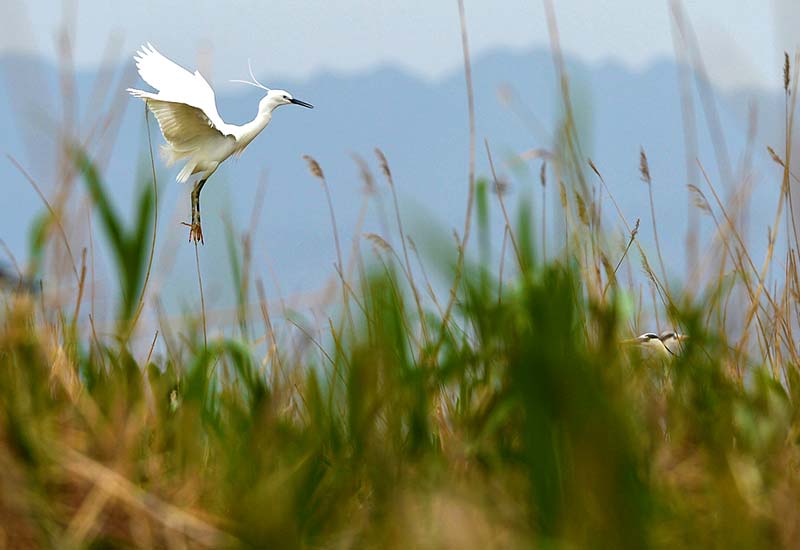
[{"x": 254, "y": 82}]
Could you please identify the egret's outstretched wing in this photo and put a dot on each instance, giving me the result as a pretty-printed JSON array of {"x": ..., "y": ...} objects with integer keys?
[
  {"x": 177, "y": 85},
  {"x": 187, "y": 129}
]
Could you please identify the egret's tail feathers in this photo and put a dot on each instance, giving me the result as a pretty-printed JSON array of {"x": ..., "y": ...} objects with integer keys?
[
  {"x": 169, "y": 155},
  {"x": 186, "y": 172},
  {"x": 172, "y": 155}
]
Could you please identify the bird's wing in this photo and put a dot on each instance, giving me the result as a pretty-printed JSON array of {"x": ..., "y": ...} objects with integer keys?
[
  {"x": 176, "y": 84},
  {"x": 186, "y": 128}
]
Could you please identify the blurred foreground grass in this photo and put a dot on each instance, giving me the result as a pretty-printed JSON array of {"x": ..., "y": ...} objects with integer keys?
[{"x": 514, "y": 420}]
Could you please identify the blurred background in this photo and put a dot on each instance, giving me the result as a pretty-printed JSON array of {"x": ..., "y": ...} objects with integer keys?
[{"x": 388, "y": 75}]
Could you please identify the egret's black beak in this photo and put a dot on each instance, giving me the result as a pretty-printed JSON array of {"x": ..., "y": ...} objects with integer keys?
[{"x": 302, "y": 103}]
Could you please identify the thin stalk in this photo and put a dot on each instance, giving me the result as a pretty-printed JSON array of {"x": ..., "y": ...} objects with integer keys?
[
  {"x": 140, "y": 306},
  {"x": 202, "y": 296},
  {"x": 503, "y": 206},
  {"x": 462, "y": 249}
]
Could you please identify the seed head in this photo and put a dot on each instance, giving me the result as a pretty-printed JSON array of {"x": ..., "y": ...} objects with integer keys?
[
  {"x": 314, "y": 167},
  {"x": 700, "y": 200},
  {"x": 787, "y": 78},
  {"x": 644, "y": 168},
  {"x": 583, "y": 215},
  {"x": 774, "y": 155},
  {"x": 378, "y": 241},
  {"x": 384, "y": 163}
]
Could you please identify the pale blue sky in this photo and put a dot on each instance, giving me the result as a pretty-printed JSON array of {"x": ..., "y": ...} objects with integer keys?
[{"x": 743, "y": 40}]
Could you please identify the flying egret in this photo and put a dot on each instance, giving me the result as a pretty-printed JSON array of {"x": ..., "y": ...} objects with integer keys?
[{"x": 186, "y": 110}]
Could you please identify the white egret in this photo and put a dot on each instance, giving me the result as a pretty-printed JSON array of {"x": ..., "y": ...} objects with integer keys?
[{"x": 186, "y": 110}]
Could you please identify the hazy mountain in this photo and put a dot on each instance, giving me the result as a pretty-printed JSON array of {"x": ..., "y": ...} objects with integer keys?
[{"x": 423, "y": 129}]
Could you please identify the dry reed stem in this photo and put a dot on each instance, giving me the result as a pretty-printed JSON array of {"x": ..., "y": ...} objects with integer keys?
[
  {"x": 410, "y": 335},
  {"x": 754, "y": 296},
  {"x": 569, "y": 127},
  {"x": 247, "y": 245},
  {"x": 351, "y": 291},
  {"x": 337, "y": 372},
  {"x": 103, "y": 88},
  {"x": 311, "y": 339},
  {"x": 93, "y": 291},
  {"x": 262, "y": 297},
  {"x": 644, "y": 168},
  {"x": 53, "y": 216},
  {"x": 788, "y": 121},
  {"x": 415, "y": 291},
  {"x": 202, "y": 296},
  {"x": 85, "y": 518},
  {"x": 96, "y": 340},
  {"x": 543, "y": 182},
  {"x": 150, "y": 351},
  {"x": 355, "y": 250},
  {"x": 81, "y": 287},
  {"x": 425, "y": 277},
  {"x": 370, "y": 187},
  {"x": 379, "y": 243},
  {"x": 705, "y": 91},
  {"x": 503, "y": 207},
  {"x": 471, "y": 114},
  {"x": 316, "y": 170},
  {"x": 142, "y": 294},
  {"x": 665, "y": 297},
  {"x": 67, "y": 84},
  {"x": 502, "y": 265},
  {"x": 608, "y": 192},
  {"x": 624, "y": 255},
  {"x": 471, "y": 192},
  {"x": 162, "y": 512}
]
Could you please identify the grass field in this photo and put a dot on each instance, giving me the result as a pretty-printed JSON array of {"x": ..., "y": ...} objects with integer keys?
[{"x": 500, "y": 413}]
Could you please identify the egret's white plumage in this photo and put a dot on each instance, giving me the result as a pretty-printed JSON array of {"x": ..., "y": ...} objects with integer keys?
[{"x": 186, "y": 110}]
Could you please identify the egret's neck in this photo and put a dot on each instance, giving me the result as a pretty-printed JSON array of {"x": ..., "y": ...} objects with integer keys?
[{"x": 250, "y": 130}]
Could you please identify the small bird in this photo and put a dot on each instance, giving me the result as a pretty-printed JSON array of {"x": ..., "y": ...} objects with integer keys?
[
  {"x": 650, "y": 346},
  {"x": 664, "y": 347},
  {"x": 673, "y": 341},
  {"x": 186, "y": 110}
]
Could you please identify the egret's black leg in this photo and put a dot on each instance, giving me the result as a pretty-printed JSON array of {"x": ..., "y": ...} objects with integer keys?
[{"x": 196, "y": 231}]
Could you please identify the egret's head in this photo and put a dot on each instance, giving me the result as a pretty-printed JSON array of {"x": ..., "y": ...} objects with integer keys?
[{"x": 276, "y": 98}]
